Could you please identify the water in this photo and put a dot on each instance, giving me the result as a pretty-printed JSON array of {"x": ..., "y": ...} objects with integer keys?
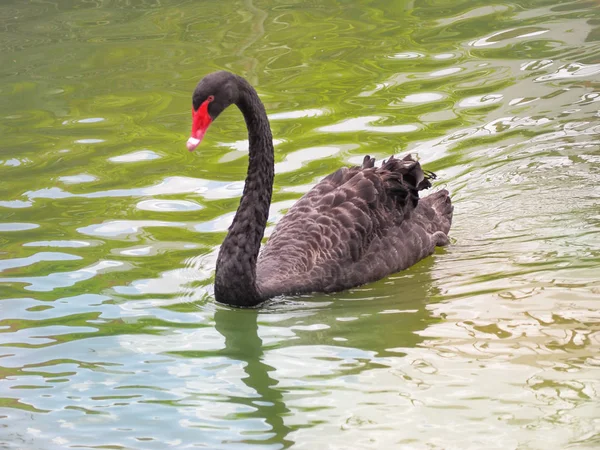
[{"x": 109, "y": 228}]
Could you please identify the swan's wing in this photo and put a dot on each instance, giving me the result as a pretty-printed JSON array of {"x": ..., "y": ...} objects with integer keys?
[
  {"x": 333, "y": 225},
  {"x": 394, "y": 185}
]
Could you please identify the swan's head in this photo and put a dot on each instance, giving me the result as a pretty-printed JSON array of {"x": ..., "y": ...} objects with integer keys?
[{"x": 214, "y": 93}]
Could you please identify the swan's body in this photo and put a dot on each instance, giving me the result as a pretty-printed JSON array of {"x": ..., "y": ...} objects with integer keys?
[{"x": 357, "y": 225}]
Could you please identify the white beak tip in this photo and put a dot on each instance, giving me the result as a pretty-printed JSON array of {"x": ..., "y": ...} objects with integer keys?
[{"x": 192, "y": 143}]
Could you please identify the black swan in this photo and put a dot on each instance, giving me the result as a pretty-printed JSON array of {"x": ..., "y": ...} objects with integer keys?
[{"x": 357, "y": 225}]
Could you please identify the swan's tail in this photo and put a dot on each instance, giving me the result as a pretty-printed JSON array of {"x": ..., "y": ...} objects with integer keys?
[{"x": 442, "y": 205}]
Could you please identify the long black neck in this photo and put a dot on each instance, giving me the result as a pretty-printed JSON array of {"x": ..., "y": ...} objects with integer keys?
[{"x": 235, "y": 279}]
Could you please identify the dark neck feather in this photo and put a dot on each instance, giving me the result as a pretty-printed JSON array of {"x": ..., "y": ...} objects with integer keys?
[{"x": 235, "y": 279}]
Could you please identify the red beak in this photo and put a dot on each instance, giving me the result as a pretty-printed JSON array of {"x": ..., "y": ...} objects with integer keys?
[{"x": 200, "y": 123}]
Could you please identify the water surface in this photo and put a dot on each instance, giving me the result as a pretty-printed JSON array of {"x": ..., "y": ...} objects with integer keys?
[{"x": 109, "y": 228}]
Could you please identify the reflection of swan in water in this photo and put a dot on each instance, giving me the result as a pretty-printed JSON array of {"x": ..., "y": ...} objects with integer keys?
[
  {"x": 242, "y": 343},
  {"x": 376, "y": 328}
]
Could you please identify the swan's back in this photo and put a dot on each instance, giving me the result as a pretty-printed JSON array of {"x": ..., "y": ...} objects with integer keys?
[{"x": 357, "y": 225}]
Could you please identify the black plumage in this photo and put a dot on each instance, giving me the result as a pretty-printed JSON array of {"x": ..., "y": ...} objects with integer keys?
[{"x": 357, "y": 225}]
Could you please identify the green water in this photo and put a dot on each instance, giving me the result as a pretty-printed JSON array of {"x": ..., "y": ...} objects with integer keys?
[{"x": 109, "y": 228}]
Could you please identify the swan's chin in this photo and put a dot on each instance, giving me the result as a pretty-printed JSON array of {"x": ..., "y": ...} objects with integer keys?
[{"x": 192, "y": 143}]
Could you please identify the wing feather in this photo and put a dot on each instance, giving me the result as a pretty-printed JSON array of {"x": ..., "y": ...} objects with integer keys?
[{"x": 345, "y": 228}]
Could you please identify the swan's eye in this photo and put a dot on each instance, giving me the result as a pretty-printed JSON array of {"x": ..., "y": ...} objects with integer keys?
[{"x": 210, "y": 98}]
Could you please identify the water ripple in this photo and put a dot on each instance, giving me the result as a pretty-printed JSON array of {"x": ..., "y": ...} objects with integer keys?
[
  {"x": 64, "y": 279},
  {"x": 363, "y": 124}
]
